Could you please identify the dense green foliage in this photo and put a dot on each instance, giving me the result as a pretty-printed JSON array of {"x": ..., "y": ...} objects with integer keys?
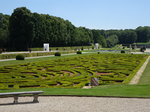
[
  {"x": 143, "y": 34},
  {"x": 69, "y": 48},
  {"x": 99, "y": 38},
  {"x": 32, "y": 30},
  {"x": 57, "y": 54},
  {"x": 72, "y": 72},
  {"x": 128, "y": 37},
  {"x": 112, "y": 40},
  {"x": 122, "y": 51},
  {"x": 21, "y": 29},
  {"x": 4, "y": 22},
  {"x": 79, "y": 52},
  {"x": 24, "y": 29},
  {"x": 20, "y": 57},
  {"x": 10, "y": 56},
  {"x": 142, "y": 49}
]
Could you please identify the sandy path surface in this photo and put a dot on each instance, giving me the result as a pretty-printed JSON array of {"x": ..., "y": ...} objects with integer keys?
[{"x": 76, "y": 104}]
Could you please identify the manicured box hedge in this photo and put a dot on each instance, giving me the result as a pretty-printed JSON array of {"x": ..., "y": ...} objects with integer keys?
[
  {"x": 10, "y": 56},
  {"x": 64, "y": 48},
  {"x": 72, "y": 72}
]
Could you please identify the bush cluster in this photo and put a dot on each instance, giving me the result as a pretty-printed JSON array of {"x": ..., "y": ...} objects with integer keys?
[
  {"x": 0, "y": 51},
  {"x": 142, "y": 49},
  {"x": 79, "y": 52},
  {"x": 57, "y": 54},
  {"x": 122, "y": 51},
  {"x": 9, "y": 56},
  {"x": 20, "y": 57}
]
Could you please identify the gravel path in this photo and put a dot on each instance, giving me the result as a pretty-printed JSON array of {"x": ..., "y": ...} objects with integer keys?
[
  {"x": 138, "y": 75},
  {"x": 76, "y": 104}
]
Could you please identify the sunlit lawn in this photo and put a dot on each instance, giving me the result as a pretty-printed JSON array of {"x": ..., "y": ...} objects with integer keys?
[{"x": 105, "y": 90}]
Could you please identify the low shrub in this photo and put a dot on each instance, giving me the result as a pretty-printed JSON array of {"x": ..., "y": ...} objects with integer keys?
[
  {"x": 1, "y": 51},
  {"x": 20, "y": 57},
  {"x": 9, "y": 56},
  {"x": 57, "y": 54},
  {"x": 142, "y": 49},
  {"x": 82, "y": 48},
  {"x": 79, "y": 52},
  {"x": 122, "y": 51}
]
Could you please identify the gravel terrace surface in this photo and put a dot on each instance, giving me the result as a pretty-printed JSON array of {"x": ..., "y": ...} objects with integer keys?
[{"x": 76, "y": 104}]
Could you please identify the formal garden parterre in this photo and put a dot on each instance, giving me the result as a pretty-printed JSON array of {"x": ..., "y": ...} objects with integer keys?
[{"x": 72, "y": 72}]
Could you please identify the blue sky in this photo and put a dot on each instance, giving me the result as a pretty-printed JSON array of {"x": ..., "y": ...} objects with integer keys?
[{"x": 93, "y": 14}]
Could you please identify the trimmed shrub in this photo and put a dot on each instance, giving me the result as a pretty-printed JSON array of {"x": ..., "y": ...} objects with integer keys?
[
  {"x": 142, "y": 49},
  {"x": 79, "y": 52},
  {"x": 1, "y": 51},
  {"x": 9, "y": 56},
  {"x": 57, "y": 54},
  {"x": 122, "y": 51},
  {"x": 20, "y": 57},
  {"x": 82, "y": 48}
]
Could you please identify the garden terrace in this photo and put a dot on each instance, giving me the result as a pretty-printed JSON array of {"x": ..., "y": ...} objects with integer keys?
[{"x": 72, "y": 72}]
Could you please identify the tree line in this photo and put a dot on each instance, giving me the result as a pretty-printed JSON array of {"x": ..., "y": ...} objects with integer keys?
[{"x": 24, "y": 29}]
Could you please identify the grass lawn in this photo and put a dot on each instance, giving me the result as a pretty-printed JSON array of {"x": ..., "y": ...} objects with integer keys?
[
  {"x": 145, "y": 79},
  {"x": 105, "y": 90}
]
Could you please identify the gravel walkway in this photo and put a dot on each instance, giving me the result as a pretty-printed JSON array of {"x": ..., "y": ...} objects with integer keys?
[{"x": 76, "y": 104}]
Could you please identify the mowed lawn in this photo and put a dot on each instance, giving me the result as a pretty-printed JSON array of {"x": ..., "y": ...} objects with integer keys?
[
  {"x": 145, "y": 79},
  {"x": 142, "y": 91}
]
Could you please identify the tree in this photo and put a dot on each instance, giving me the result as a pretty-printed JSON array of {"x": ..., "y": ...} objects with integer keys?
[
  {"x": 24, "y": 29},
  {"x": 99, "y": 38},
  {"x": 4, "y": 22},
  {"x": 83, "y": 36},
  {"x": 112, "y": 41},
  {"x": 21, "y": 29},
  {"x": 143, "y": 34},
  {"x": 127, "y": 37}
]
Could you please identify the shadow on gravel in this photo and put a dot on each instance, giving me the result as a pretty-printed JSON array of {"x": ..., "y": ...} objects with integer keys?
[{"x": 20, "y": 103}]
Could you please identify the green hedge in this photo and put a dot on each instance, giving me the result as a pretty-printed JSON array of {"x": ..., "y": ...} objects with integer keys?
[
  {"x": 79, "y": 52},
  {"x": 72, "y": 72},
  {"x": 11, "y": 56},
  {"x": 20, "y": 57},
  {"x": 64, "y": 48},
  {"x": 57, "y": 54}
]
